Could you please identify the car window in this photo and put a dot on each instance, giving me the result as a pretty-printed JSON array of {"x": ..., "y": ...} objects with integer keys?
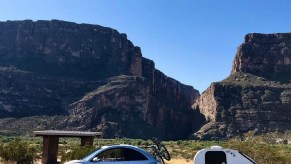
[
  {"x": 112, "y": 155},
  {"x": 133, "y": 155},
  {"x": 121, "y": 154}
]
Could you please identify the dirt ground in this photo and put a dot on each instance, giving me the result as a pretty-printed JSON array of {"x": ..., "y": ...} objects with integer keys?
[
  {"x": 173, "y": 161},
  {"x": 179, "y": 161}
]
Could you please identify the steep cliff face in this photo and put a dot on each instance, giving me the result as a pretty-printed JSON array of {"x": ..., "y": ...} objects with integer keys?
[
  {"x": 46, "y": 65},
  {"x": 117, "y": 108},
  {"x": 265, "y": 55},
  {"x": 140, "y": 107},
  {"x": 169, "y": 104},
  {"x": 256, "y": 96},
  {"x": 61, "y": 48},
  {"x": 87, "y": 77},
  {"x": 24, "y": 93}
]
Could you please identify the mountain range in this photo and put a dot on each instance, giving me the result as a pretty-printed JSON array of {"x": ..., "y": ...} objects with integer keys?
[{"x": 68, "y": 76}]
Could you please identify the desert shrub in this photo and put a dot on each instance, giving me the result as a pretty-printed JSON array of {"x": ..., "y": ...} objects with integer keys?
[
  {"x": 18, "y": 151},
  {"x": 76, "y": 152},
  {"x": 179, "y": 142},
  {"x": 260, "y": 152},
  {"x": 139, "y": 142},
  {"x": 1, "y": 150},
  {"x": 7, "y": 139}
]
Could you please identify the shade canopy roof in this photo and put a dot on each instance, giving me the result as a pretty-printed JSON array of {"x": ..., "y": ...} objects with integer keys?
[{"x": 61, "y": 133}]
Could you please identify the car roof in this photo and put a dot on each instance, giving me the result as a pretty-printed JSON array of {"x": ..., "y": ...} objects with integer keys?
[
  {"x": 126, "y": 146},
  {"x": 119, "y": 146},
  {"x": 103, "y": 148}
]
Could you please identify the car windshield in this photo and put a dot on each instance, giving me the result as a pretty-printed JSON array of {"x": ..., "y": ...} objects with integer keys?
[{"x": 91, "y": 155}]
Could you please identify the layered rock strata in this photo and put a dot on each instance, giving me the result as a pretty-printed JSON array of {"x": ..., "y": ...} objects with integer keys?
[
  {"x": 256, "y": 96},
  {"x": 265, "y": 55},
  {"x": 87, "y": 77}
]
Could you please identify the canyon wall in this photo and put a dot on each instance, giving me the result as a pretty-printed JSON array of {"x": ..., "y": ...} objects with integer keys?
[
  {"x": 257, "y": 94},
  {"x": 63, "y": 75}
]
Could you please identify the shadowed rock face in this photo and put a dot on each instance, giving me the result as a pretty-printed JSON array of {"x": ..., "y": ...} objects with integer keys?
[
  {"x": 256, "y": 96},
  {"x": 87, "y": 77},
  {"x": 67, "y": 49},
  {"x": 169, "y": 103},
  {"x": 46, "y": 65},
  {"x": 265, "y": 55}
]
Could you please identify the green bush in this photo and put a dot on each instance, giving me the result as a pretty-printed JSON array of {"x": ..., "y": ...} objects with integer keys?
[
  {"x": 18, "y": 151},
  {"x": 7, "y": 139}
]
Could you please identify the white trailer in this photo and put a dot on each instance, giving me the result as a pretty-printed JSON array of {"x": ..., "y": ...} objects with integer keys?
[{"x": 218, "y": 155}]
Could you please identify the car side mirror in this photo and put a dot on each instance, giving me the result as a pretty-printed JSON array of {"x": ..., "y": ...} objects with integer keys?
[{"x": 96, "y": 159}]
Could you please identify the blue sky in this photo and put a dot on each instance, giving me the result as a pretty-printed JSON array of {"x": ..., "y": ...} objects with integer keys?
[{"x": 193, "y": 41}]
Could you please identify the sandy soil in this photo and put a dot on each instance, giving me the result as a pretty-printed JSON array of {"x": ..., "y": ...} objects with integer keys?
[
  {"x": 172, "y": 161},
  {"x": 179, "y": 161}
]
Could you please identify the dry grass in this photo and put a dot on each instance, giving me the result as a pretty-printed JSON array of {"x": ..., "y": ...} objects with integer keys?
[{"x": 179, "y": 161}]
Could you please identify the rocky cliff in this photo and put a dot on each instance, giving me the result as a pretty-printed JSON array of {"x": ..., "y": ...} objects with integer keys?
[
  {"x": 257, "y": 94},
  {"x": 63, "y": 75},
  {"x": 264, "y": 55}
]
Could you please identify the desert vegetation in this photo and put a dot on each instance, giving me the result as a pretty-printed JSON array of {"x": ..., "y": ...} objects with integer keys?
[
  {"x": 268, "y": 148},
  {"x": 18, "y": 151}
]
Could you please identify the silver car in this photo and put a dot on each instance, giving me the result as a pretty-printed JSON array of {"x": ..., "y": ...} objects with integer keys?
[{"x": 118, "y": 154}]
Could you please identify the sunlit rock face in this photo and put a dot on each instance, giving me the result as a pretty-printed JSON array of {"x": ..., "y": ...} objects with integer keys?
[
  {"x": 63, "y": 75},
  {"x": 256, "y": 96},
  {"x": 265, "y": 55}
]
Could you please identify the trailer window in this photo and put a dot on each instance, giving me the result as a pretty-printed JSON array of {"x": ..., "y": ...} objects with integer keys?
[{"x": 215, "y": 157}]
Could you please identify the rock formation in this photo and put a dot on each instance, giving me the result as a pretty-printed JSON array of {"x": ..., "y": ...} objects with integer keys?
[
  {"x": 63, "y": 75},
  {"x": 267, "y": 56},
  {"x": 257, "y": 94}
]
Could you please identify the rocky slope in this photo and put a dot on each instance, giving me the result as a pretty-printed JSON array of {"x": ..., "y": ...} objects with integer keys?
[
  {"x": 63, "y": 75},
  {"x": 257, "y": 94}
]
